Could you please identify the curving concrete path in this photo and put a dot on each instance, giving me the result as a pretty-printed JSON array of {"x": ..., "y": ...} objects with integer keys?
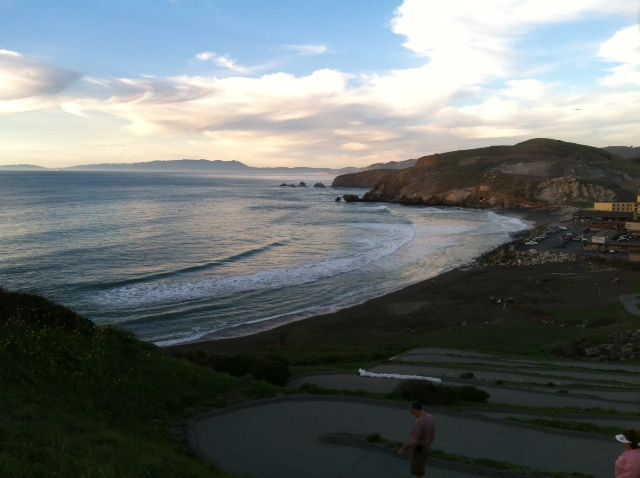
[
  {"x": 610, "y": 392},
  {"x": 613, "y": 422},
  {"x": 498, "y": 395},
  {"x": 583, "y": 374},
  {"x": 460, "y": 356},
  {"x": 280, "y": 438},
  {"x": 631, "y": 302},
  {"x": 527, "y": 377}
]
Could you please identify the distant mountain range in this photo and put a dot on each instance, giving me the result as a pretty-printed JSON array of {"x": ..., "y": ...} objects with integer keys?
[
  {"x": 171, "y": 165},
  {"x": 183, "y": 165},
  {"x": 22, "y": 167},
  {"x": 205, "y": 165}
]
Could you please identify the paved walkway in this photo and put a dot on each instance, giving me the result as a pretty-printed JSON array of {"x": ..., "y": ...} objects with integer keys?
[
  {"x": 526, "y": 368},
  {"x": 452, "y": 376},
  {"x": 279, "y": 438},
  {"x": 511, "y": 375},
  {"x": 497, "y": 394},
  {"x": 620, "y": 423},
  {"x": 459, "y": 356},
  {"x": 631, "y": 303}
]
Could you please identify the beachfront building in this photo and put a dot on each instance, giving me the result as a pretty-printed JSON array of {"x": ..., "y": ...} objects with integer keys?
[
  {"x": 608, "y": 215},
  {"x": 617, "y": 206}
]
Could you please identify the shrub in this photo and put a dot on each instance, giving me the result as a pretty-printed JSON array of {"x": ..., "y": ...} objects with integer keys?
[
  {"x": 472, "y": 394},
  {"x": 27, "y": 311},
  {"x": 272, "y": 369},
  {"x": 236, "y": 365},
  {"x": 374, "y": 438},
  {"x": 431, "y": 394}
]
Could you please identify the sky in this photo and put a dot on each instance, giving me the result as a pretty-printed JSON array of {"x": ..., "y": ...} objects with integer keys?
[{"x": 329, "y": 83}]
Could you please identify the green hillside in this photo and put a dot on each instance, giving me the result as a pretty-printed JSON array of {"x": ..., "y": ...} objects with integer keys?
[{"x": 78, "y": 400}]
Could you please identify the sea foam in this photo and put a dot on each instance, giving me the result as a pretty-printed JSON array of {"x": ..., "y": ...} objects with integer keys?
[{"x": 164, "y": 291}]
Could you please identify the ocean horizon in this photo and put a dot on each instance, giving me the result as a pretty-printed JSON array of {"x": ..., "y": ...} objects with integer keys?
[{"x": 177, "y": 257}]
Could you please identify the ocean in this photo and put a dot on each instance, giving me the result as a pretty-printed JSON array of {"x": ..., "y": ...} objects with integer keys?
[{"x": 181, "y": 257}]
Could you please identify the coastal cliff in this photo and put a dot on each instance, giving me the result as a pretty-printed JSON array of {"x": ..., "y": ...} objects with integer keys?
[{"x": 534, "y": 173}]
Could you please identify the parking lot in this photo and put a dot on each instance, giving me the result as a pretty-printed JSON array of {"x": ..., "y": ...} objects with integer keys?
[{"x": 568, "y": 238}]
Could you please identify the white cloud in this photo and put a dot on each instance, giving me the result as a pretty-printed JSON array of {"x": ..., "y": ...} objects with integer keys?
[
  {"x": 352, "y": 147},
  {"x": 27, "y": 84},
  {"x": 10, "y": 53},
  {"x": 623, "y": 47},
  {"x": 205, "y": 56},
  {"x": 223, "y": 61},
  {"x": 470, "y": 91},
  {"x": 469, "y": 42},
  {"x": 527, "y": 90},
  {"x": 187, "y": 104},
  {"x": 307, "y": 49}
]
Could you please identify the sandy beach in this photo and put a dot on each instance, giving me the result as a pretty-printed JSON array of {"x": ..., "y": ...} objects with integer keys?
[{"x": 460, "y": 308}]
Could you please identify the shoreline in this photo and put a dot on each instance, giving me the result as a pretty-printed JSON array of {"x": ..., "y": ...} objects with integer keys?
[
  {"x": 532, "y": 219},
  {"x": 277, "y": 335}
]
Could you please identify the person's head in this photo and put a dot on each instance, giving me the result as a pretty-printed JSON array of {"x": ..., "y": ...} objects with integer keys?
[
  {"x": 629, "y": 438},
  {"x": 416, "y": 408}
]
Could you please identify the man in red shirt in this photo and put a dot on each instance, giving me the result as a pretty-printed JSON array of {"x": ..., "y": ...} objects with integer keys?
[{"x": 422, "y": 436}]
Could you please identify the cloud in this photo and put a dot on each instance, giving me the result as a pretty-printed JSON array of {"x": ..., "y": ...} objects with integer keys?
[
  {"x": 624, "y": 48},
  {"x": 307, "y": 49},
  {"x": 228, "y": 63},
  {"x": 188, "y": 104},
  {"x": 205, "y": 56},
  {"x": 467, "y": 42},
  {"x": 469, "y": 91},
  {"x": 354, "y": 147},
  {"x": 28, "y": 84},
  {"x": 223, "y": 61}
]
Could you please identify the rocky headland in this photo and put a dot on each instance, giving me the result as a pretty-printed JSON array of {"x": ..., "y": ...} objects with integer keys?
[{"x": 538, "y": 173}]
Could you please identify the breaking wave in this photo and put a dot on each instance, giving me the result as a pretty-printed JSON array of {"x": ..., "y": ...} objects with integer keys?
[{"x": 146, "y": 291}]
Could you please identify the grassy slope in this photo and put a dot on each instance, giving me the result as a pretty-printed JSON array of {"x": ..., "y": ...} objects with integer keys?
[{"x": 82, "y": 401}]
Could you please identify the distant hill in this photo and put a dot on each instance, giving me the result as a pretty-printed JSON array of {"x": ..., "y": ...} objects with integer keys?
[
  {"x": 205, "y": 165},
  {"x": 22, "y": 167},
  {"x": 392, "y": 165},
  {"x": 626, "y": 152},
  {"x": 170, "y": 165},
  {"x": 198, "y": 165},
  {"x": 535, "y": 173}
]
